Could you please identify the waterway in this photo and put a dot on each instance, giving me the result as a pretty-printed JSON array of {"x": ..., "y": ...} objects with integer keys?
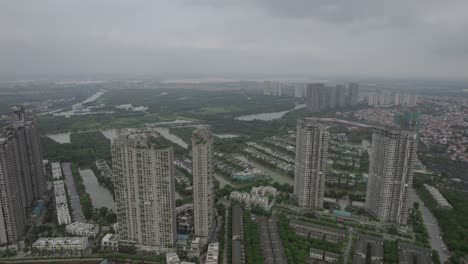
[
  {"x": 61, "y": 138},
  {"x": 93, "y": 98},
  {"x": 275, "y": 175},
  {"x": 226, "y": 135},
  {"x": 267, "y": 116},
  {"x": 164, "y": 131},
  {"x": 100, "y": 195}
]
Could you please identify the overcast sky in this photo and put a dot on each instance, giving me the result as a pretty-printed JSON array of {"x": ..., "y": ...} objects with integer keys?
[{"x": 397, "y": 38}]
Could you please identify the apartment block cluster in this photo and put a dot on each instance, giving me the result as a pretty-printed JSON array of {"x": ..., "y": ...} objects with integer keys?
[
  {"x": 320, "y": 97},
  {"x": 387, "y": 98},
  {"x": 259, "y": 196},
  {"x": 21, "y": 173},
  {"x": 438, "y": 197},
  {"x": 283, "y": 89},
  {"x": 391, "y": 146},
  {"x": 151, "y": 226}
]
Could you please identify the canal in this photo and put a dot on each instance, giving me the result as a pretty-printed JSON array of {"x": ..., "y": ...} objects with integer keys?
[{"x": 100, "y": 195}]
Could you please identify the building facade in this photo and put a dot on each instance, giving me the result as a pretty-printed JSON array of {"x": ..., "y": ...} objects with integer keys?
[
  {"x": 144, "y": 190},
  {"x": 353, "y": 94},
  {"x": 61, "y": 204},
  {"x": 60, "y": 245},
  {"x": 12, "y": 214},
  {"x": 311, "y": 161},
  {"x": 82, "y": 229},
  {"x": 320, "y": 97},
  {"x": 21, "y": 174},
  {"x": 202, "y": 169},
  {"x": 391, "y": 170}
]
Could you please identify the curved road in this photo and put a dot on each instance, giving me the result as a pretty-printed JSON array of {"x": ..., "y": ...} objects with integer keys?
[{"x": 433, "y": 229}]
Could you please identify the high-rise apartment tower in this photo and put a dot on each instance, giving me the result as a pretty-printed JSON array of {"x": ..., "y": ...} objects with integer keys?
[
  {"x": 311, "y": 161},
  {"x": 144, "y": 190},
  {"x": 391, "y": 174},
  {"x": 203, "y": 210}
]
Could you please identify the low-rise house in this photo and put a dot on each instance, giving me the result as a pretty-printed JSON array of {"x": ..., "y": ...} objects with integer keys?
[
  {"x": 56, "y": 171},
  {"x": 110, "y": 242},
  {"x": 248, "y": 200},
  {"x": 409, "y": 254},
  {"x": 322, "y": 255},
  {"x": 212, "y": 254},
  {"x": 438, "y": 197},
  {"x": 368, "y": 247},
  {"x": 317, "y": 231},
  {"x": 263, "y": 191},
  {"x": 104, "y": 168},
  {"x": 82, "y": 229},
  {"x": 61, "y": 204},
  {"x": 60, "y": 245}
]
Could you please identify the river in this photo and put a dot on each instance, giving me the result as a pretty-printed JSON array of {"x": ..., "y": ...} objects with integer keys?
[
  {"x": 94, "y": 97},
  {"x": 275, "y": 175},
  {"x": 164, "y": 131},
  {"x": 100, "y": 195},
  {"x": 267, "y": 116},
  {"x": 112, "y": 133}
]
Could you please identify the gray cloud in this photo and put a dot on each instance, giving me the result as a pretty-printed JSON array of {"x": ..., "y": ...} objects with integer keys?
[{"x": 400, "y": 38}]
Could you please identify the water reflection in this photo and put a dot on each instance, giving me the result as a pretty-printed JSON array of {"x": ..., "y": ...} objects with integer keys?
[
  {"x": 100, "y": 195},
  {"x": 267, "y": 116}
]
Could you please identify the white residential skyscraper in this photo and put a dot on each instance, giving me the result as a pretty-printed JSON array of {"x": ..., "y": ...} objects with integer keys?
[
  {"x": 202, "y": 152},
  {"x": 391, "y": 174},
  {"x": 144, "y": 190},
  {"x": 311, "y": 162}
]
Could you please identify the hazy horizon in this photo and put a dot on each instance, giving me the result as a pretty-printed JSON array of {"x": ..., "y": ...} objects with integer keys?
[{"x": 354, "y": 39}]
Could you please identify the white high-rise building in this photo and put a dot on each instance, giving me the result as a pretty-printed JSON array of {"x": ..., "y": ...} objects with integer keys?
[
  {"x": 144, "y": 190},
  {"x": 203, "y": 211},
  {"x": 311, "y": 161},
  {"x": 391, "y": 174}
]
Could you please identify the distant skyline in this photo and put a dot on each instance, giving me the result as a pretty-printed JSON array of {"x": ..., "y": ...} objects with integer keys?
[{"x": 390, "y": 39}]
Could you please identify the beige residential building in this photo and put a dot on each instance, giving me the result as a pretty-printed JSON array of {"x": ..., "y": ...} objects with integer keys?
[
  {"x": 311, "y": 161},
  {"x": 144, "y": 190},
  {"x": 203, "y": 209},
  {"x": 391, "y": 169}
]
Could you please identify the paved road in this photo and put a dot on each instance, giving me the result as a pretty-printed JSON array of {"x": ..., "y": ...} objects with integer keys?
[
  {"x": 225, "y": 253},
  {"x": 433, "y": 229},
  {"x": 237, "y": 235},
  {"x": 348, "y": 246},
  {"x": 77, "y": 212},
  {"x": 272, "y": 247}
]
